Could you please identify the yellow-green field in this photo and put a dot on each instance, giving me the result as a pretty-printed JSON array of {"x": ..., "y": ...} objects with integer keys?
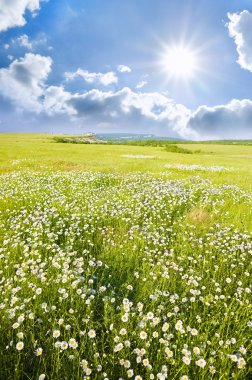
[
  {"x": 124, "y": 262},
  {"x": 39, "y": 152}
]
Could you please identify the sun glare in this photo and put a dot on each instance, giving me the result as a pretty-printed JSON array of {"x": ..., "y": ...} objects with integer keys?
[{"x": 180, "y": 62}]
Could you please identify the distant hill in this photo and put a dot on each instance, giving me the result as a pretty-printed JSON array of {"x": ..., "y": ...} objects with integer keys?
[{"x": 121, "y": 137}]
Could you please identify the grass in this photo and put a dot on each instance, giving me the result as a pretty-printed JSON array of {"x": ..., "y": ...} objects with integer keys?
[
  {"x": 117, "y": 267},
  {"x": 38, "y": 152}
]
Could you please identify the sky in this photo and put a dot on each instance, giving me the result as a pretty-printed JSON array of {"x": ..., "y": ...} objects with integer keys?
[{"x": 171, "y": 68}]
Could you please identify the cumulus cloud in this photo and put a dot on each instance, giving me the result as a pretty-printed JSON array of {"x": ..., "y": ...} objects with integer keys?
[
  {"x": 125, "y": 108},
  {"x": 23, "y": 82},
  {"x": 240, "y": 29},
  {"x": 12, "y": 12},
  {"x": 57, "y": 101},
  {"x": 123, "y": 69},
  {"x": 231, "y": 121},
  {"x": 101, "y": 78}
]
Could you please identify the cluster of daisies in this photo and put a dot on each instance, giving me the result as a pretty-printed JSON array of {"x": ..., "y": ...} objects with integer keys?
[
  {"x": 198, "y": 168},
  {"x": 108, "y": 277}
]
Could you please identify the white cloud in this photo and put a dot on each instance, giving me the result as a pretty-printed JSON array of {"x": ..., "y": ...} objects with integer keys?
[
  {"x": 240, "y": 29},
  {"x": 141, "y": 112},
  {"x": 100, "y": 78},
  {"x": 56, "y": 101},
  {"x": 230, "y": 121},
  {"x": 141, "y": 84},
  {"x": 123, "y": 69},
  {"x": 24, "y": 41},
  {"x": 23, "y": 82},
  {"x": 12, "y": 12}
]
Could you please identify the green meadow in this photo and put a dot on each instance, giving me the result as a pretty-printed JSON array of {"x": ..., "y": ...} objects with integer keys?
[
  {"x": 122, "y": 261},
  {"x": 38, "y": 152}
]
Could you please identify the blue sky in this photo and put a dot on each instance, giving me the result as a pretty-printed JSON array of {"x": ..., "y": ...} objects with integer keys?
[{"x": 171, "y": 68}]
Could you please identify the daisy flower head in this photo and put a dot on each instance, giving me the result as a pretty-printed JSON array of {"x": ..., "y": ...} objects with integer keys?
[
  {"x": 64, "y": 345},
  {"x": 130, "y": 373},
  {"x": 118, "y": 347},
  {"x": 125, "y": 318},
  {"x": 201, "y": 363},
  {"x": 72, "y": 343},
  {"x": 39, "y": 351},
  {"x": 56, "y": 333},
  {"x": 194, "y": 332},
  {"x": 241, "y": 363},
  {"x": 196, "y": 350},
  {"x": 143, "y": 335},
  {"x": 92, "y": 334},
  {"x": 179, "y": 326},
  {"x": 186, "y": 360},
  {"x": 20, "y": 346}
]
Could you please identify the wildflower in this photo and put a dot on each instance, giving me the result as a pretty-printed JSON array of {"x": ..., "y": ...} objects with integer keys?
[
  {"x": 126, "y": 364},
  {"x": 196, "y": 350},
  {"x": 21, "y": 318},
  {"x": 84, "y": 363},
  {"x": 146, "y": 362},
  {"x": 194, "y": 332},
  {"x": 186, "y": 360},
  {"x": 56, "y": 333},
  {"x": 125, "y": 318},
  {"x": 201, "y": 363},
  {"x": 150, "y": 315},
  {"x": 241, "y": 363},
  {"x": 143, "y": 335},
  {"x": 242, "y": 350},
  {"x": 130, "y": 372},
  {"x": 72, "y": 343},
  {"x": 212, "y": 369},
  {"x": 88, "y": 371},
  {"x": 118, "y": 347},
  {"x": 38, "y": 351},
  {"x": 168, "y": 352},
  {"x": 123, "y": 332},
  {"x": 92, "y": 334},
  {"x": 42, "y": 376},
  {"x": 233, "y": 358},
  {"x": 165, "y": 327},
  {"x": 179, "y": 326},
  {"x": 64, "y": 345},
  {"x": 20, "y": 346},
  {"x": 15, "y": 325}
]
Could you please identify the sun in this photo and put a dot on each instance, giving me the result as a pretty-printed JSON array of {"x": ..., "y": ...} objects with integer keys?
[{"x": 180, "y": 61}]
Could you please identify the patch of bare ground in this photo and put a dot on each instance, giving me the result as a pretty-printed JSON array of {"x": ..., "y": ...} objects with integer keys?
[{"x": 199, "y": 216}]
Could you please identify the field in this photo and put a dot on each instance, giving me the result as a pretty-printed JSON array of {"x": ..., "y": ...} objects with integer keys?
[{"x": 124, "y": 262}]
